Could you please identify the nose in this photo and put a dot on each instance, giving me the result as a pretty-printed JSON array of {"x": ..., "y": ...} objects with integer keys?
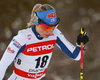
[{"x": 49, "y": 32}]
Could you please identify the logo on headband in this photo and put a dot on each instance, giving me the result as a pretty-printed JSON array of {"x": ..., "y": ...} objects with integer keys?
[{"x": 51, "y": 15}]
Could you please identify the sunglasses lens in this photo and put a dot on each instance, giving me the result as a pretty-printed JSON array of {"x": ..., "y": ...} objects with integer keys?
[{"x": 46, "y": 27}]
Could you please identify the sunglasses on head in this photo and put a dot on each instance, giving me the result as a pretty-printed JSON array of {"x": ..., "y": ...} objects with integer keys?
[{"x": 47, "y": 26}]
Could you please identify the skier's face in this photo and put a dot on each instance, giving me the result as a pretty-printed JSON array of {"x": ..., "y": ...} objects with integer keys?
[{"x": 44, "y": 33}]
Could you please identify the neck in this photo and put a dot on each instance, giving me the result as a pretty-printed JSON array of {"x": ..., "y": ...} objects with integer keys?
[
  {"x": 37, "y": 28},
  {"x": 35, "y": 31}
]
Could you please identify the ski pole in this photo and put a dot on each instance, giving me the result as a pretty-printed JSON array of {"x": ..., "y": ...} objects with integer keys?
[
  {"x": 81, "y": 73},
  {"x": 81, "y": 63}
]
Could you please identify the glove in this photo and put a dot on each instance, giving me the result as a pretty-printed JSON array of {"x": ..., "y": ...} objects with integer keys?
[{"x": 82, "y": 38}]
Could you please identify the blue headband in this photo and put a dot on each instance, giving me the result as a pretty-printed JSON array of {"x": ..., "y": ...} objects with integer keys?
[{"x": 48, "y": 16}]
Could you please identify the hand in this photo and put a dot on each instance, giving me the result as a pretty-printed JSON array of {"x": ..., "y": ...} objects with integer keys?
[{"x": 82, "y": 38}]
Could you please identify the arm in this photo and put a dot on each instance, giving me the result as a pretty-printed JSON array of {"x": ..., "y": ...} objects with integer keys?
[
  {"x": 67, "y": 48},
  {"x": 10, "y": 53}
]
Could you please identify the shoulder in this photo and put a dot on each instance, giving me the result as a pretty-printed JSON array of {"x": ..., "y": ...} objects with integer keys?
[
  {"x": 57, "y": 32},
  {"x": 20, "y": 37},
  {"x": 24, "y": 30}
]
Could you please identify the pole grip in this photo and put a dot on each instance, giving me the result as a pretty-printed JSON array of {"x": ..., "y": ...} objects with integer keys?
[{"x": 82, "y": 44}]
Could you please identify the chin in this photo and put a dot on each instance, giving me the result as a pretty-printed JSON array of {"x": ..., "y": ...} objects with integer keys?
[{"x": 46, "y": 36}]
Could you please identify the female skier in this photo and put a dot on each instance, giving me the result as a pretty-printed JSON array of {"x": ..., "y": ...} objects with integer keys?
[{"x": 31, "y": 49}]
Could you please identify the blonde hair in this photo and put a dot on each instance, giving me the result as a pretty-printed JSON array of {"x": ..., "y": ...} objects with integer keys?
[{"x": 38, "y": 8}]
